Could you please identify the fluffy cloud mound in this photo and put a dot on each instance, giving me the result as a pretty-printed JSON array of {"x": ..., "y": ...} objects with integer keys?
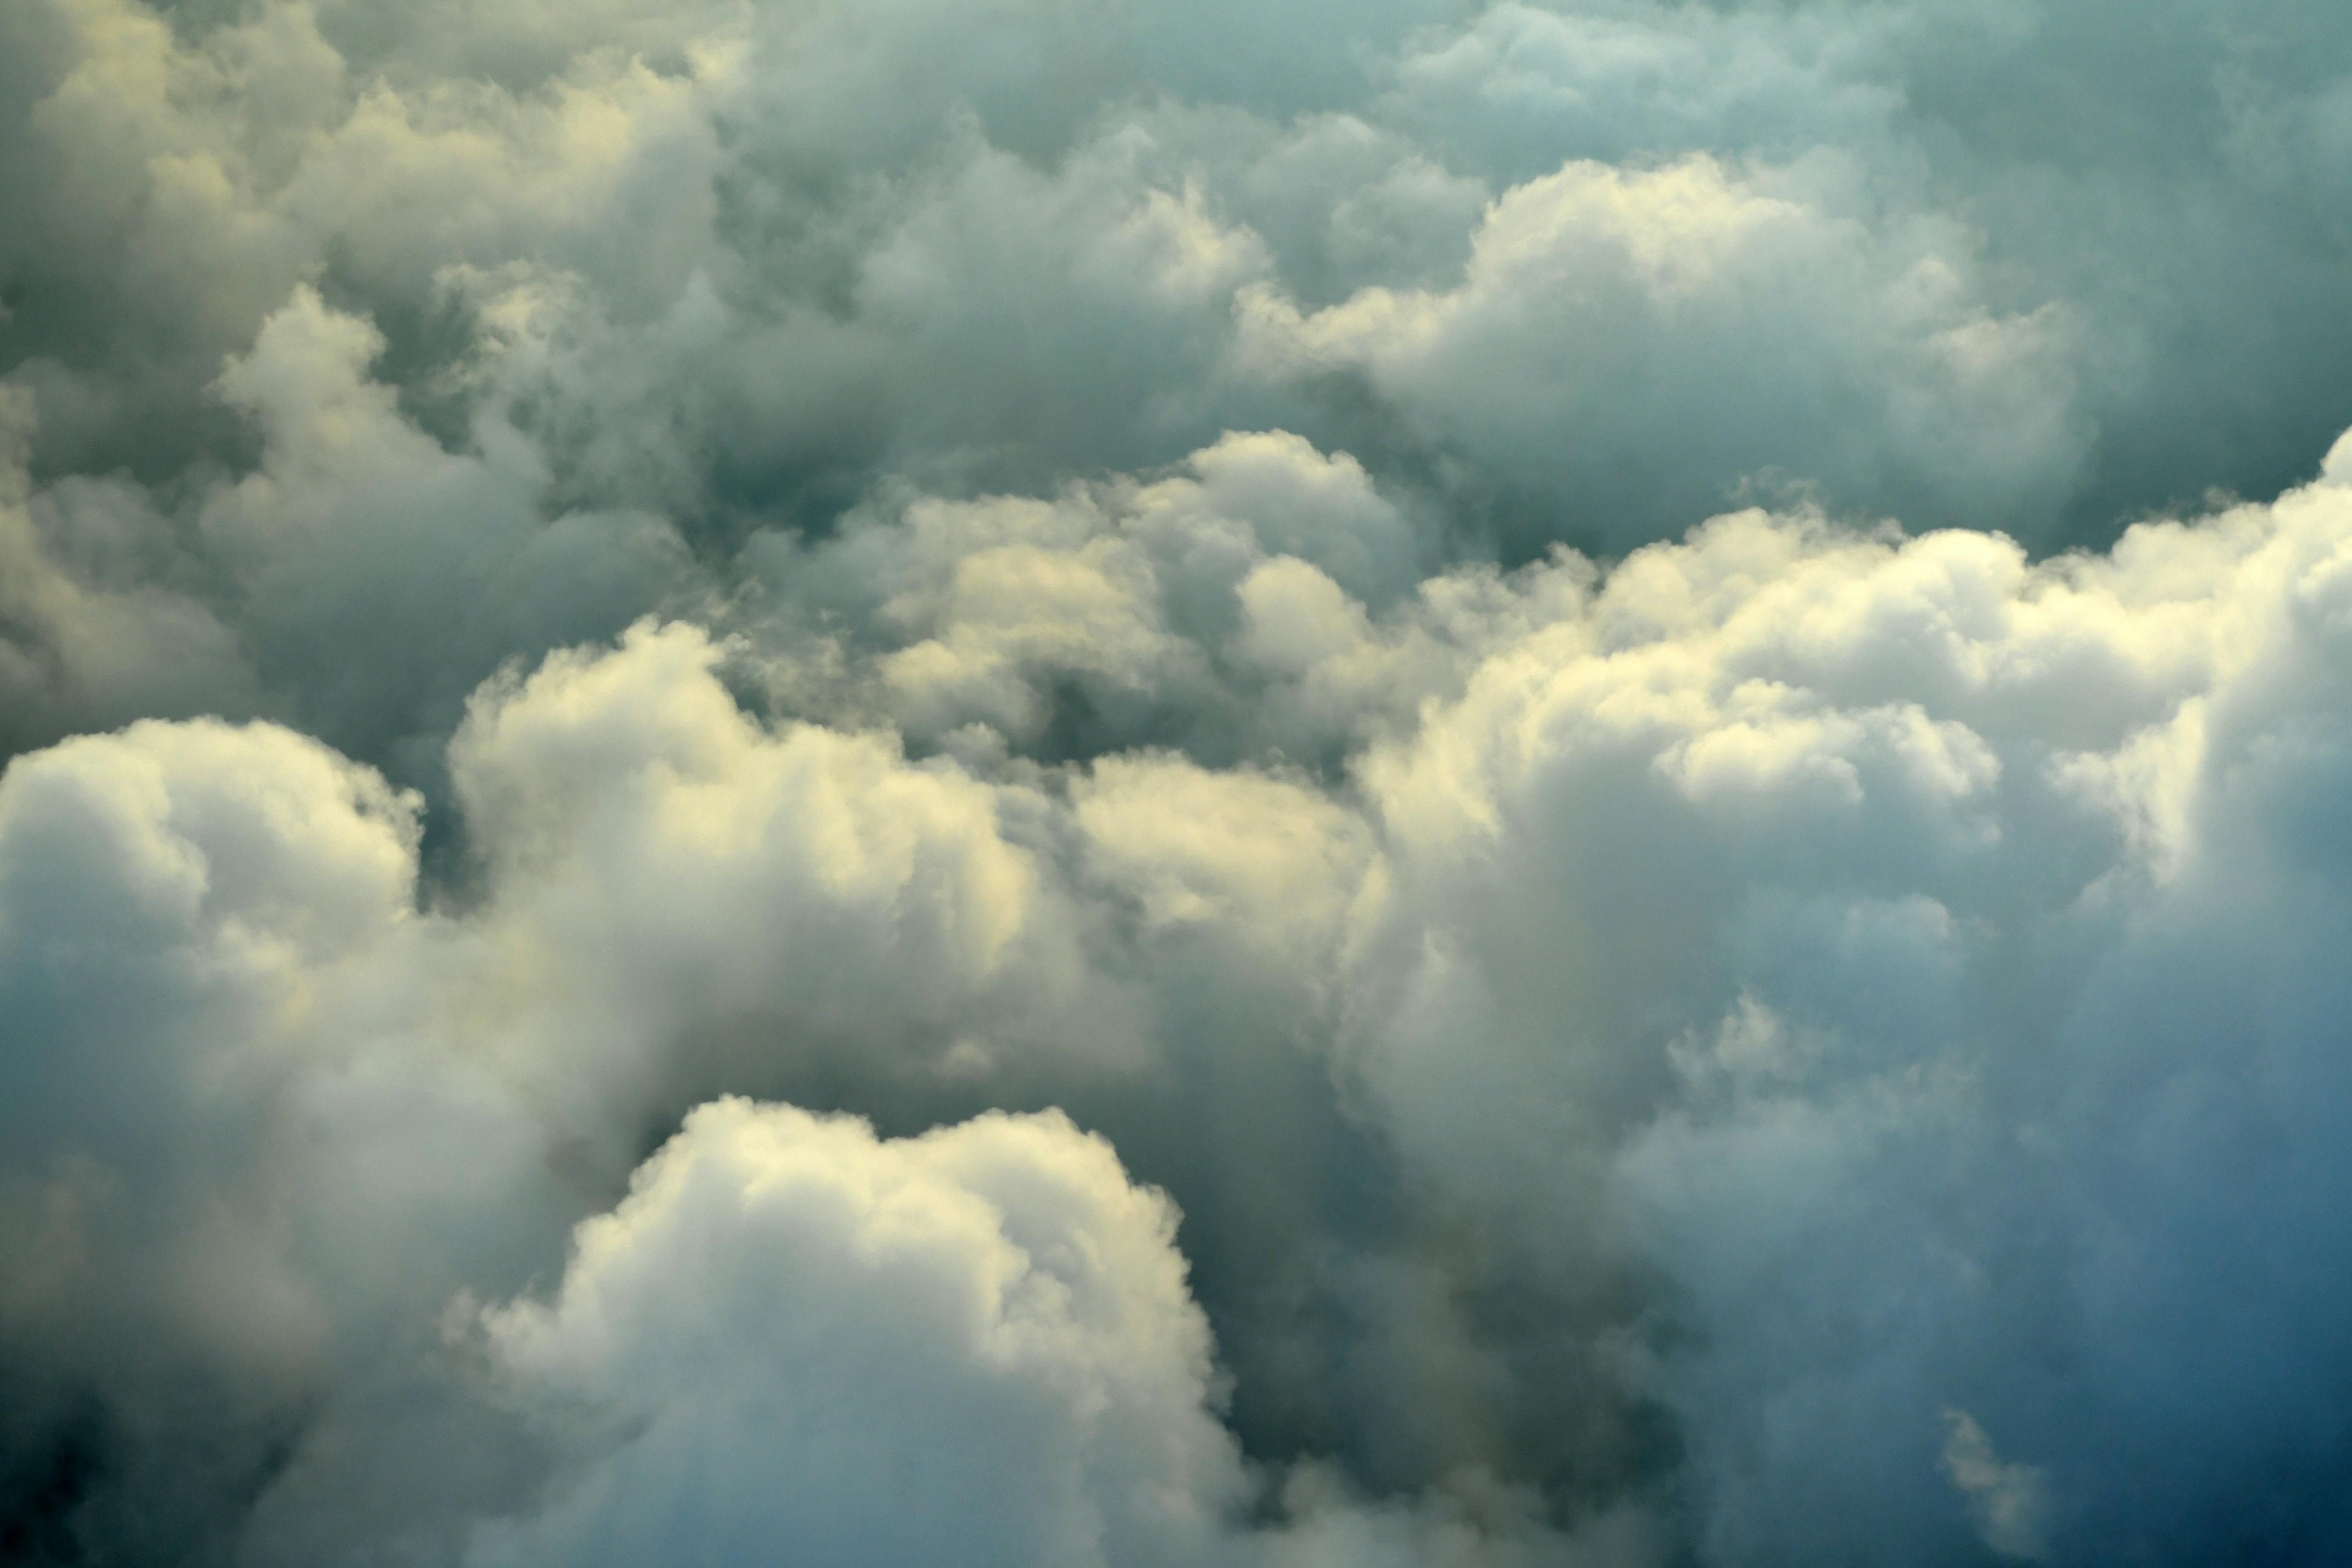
[
  {"x": 1212, "y": 785},
  {"x": 1603, "y": 320},
  {"x": 975, "y": 1345},
  {"x": 238, "y": 1168},
  {"x": 1908, "y": 922}
]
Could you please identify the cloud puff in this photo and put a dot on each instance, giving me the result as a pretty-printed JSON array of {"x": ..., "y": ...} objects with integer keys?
[
  {"x": 1630, "y": 345},
  {"x": 1770, "y": 919},
  {"x": 976, "y": 1344},
  {"x": 240, "y": 1166},
  {"x": 2009, "y": 1500}
]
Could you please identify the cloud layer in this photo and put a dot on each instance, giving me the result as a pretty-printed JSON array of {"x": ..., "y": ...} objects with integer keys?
[{"x": 1215, "y": 787}]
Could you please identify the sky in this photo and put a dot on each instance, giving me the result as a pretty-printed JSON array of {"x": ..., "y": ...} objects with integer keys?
[{"x": 1227, "y": 784}]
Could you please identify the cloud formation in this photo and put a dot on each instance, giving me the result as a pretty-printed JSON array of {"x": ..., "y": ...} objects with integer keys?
[
  {"x": 1205, "y": 786},
  {"x": 1002, "y": 1316}
]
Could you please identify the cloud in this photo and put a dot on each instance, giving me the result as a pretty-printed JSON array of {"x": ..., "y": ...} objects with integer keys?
[
  {"x": 1631, "y": 345},
  {"x": 1794, "y": 1068},
  {"x": 975, "y": 1344},
  {"x": 2009, "y": 1500},
  {"x": 239, "y": 1170},
  {"x": 1212, "y": 785},
  {"x": 96, "y": 632},
  {"x": 1768, "y": 921}
]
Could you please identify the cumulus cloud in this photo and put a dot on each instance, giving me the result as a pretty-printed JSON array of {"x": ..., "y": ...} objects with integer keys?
[
  {"x": 1797, "y": 871},
  {"x": 1608, "y": 324},
  {"x": 974, "y": 1345},
  {"x": 1234, "y": 786}
]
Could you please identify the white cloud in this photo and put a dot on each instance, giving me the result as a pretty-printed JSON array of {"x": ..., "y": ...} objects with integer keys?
[
  {"x": 1632, "y": 345},
  {"x": 1908, "y": 1167},
  {"x": 974, "y": 1345},
  {"x": 1006, "y": 570}
]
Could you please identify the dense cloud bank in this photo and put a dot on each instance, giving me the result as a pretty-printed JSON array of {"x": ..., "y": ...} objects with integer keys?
[{"x": 1093, "y": 785}]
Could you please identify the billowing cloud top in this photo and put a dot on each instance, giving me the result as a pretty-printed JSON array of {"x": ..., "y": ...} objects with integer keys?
[{"x": 1202, "y": 786}]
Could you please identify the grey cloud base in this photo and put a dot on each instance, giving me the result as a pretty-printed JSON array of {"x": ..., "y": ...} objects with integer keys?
[{"x": 1093, "y": 785}]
